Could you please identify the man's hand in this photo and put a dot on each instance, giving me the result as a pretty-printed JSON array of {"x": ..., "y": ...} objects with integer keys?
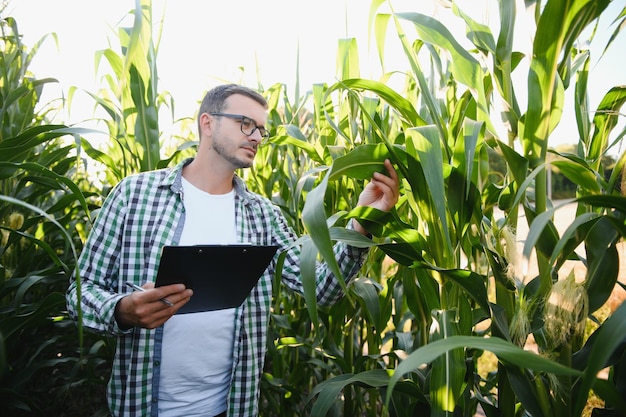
[
  {"x": 146, "y": 308},
  {"x": 382, "y": 193}
]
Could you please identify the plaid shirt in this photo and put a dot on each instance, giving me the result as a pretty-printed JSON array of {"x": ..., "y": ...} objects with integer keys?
[{"x": 145, "y": 212}]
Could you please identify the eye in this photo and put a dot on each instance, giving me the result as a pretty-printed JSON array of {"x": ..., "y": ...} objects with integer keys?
[{"x": 247, "y": 123}]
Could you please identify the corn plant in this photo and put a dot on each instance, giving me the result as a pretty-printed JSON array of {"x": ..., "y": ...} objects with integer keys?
[
  {"x": 437, "y": 290},
  {"x": 130, "y": 104},
  {"x": 45, "y": 202},
  {"x": 452, "y": 254}
]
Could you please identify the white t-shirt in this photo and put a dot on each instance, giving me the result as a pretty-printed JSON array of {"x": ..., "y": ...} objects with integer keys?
[{"x": 197, "y": 354}]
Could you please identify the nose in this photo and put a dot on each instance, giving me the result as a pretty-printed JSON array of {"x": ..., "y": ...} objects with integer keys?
[{"x": 256, "y": 136}]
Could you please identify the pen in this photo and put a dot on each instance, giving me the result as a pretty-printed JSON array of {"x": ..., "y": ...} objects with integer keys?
[{"x": 138, "y": 288}]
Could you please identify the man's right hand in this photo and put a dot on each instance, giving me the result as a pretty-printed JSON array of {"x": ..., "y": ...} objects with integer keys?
[{"x": 146, "y": 308}]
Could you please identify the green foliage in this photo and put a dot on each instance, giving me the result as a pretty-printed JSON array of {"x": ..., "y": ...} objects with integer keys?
[
  {"x": 439, "y": 288},
  {"x": 444, "y": 231},
  {"x": 131, "y": 103},
  {"x": 44, "y": 209}
]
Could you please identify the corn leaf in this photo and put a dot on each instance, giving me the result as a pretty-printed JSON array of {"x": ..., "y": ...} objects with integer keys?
[
  {"x": 361, "y": 163},
  {"x": 605, "y": 120},
  {"x": 604, "y": 344},
  {"x": 426, "y": 143},
  {"x": 581, "y": 175},
  {"x": 314, "y": 219},
  {"x": 505, "y": 351},
  {"x": 328, "y": 390},
  {"x": 448, "y": 370},
  {"x": 464, "y": 67}
]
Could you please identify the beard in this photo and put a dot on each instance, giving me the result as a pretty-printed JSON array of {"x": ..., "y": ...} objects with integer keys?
[{"x": 226, "y": 148}]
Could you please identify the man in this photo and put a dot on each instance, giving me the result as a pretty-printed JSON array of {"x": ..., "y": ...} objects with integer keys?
[{"x": 208, "y": 363}]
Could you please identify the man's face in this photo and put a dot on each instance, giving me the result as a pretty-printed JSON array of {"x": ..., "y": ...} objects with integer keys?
[{"x": 228, "y": 140}]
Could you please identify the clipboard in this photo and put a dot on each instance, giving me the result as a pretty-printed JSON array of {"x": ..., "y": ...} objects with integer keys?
[{"x": 221, "y": 276}]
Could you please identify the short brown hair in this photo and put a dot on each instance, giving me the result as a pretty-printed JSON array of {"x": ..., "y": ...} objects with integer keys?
[{"x": 214, "y": 100}]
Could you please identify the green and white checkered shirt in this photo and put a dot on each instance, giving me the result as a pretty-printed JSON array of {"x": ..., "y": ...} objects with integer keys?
[{"x": 143, "y": 213}]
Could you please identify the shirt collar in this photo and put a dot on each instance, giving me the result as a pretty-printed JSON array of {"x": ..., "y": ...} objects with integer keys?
[{"x": 173, "y": 180}]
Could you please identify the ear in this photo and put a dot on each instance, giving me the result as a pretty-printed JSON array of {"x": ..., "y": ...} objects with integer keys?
[{"x": 206, "y": 125}]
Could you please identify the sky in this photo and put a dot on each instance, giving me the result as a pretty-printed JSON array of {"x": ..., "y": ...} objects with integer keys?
[{"x": 207, "y": 42}]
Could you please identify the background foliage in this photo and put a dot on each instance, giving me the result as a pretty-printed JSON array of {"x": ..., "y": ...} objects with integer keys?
[{"x": 437, "y": 321}]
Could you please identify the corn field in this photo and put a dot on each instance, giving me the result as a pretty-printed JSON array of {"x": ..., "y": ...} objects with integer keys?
[{"x": 440, "y": 319}]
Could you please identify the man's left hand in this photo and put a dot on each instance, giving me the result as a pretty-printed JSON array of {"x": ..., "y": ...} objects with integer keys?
[{"x": 381, "y": 193}]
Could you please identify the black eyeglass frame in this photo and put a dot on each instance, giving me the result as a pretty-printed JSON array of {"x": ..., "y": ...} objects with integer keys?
[{"x": 265, "y": 134}]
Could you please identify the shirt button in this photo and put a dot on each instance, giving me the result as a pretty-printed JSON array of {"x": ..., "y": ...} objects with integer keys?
[{"x": 157, "y": 363}]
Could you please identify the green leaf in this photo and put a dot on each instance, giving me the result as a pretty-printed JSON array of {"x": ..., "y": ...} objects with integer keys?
[
  {"x": 604, "y": 345},
  {"x": 580, "y": 175},
  {"x": 422, "y": 296},
  {"x": 448, "y": 370},
  {"x": 351, "y": 237},
  {"x": 581, "y": 105},
  {"x": 361, "y": 163},
  {"x": 329, "y": 390},
  {"x": 24, "y": 90},
  {"x": 17, "y": 147},
  {"x": 524, "y": 384},
  {"x": 544, "y": 239},
  {"x": 54, "y": 178},
  {"x": 426, "y": 143},
  {"x": 479, "y": 34},
  {"x": 101, "y": 157},
  {"x": 617, "y": 202},
  {"x": 473, "y": 284},
  {"x": 381, "y": 22},
  {"x": 34, "y": 317},
  {"x": 570, "y": 233},
  {"x": 367, "y": 294},
  {"x": 504, "y": 350},
  {"x": 308, "y": 256},
  {"x": 463, "y": 202},
  {"x": 398, "y": 102},
  {"x": 147, "y": 133},
  {"x": 348, "y": 58},
  {"x": 64, "y": 232},
  {"x": 605, "y": 119},
  {"x": 560, "y": 24},
  {"x": 602, "y": 263},
  {"x": 289, "y": 135},
  {"x": 515, "y": 162},
  {"x": 314, "y": 219},
  {"x": 464, "y": 67}
]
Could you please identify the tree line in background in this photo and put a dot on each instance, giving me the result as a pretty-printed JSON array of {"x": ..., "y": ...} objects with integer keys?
[{"x": 437, "y": 321}]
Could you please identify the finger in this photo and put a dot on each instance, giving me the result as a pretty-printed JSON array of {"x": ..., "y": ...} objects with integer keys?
[
  {"x": 162, "y": 292},
  {"x": 392, "y": 178},
  {"x": 136, "y": 310},
  {"x": 387, "y": 193},
  {"x": 151, "y": 313},
  {"x": 168, "y": 297},
  {"x": 167, "y": 291},
  {"x": 393, "y": 175},
  {"x": 386, "y": 185},
  {"x": 164, "y": 312},
  {"x": 179, "y": 299},
  {"x": 390, "y": 169}
]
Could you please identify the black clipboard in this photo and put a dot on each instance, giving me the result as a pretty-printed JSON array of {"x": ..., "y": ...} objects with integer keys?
[{"x": 221, "y": 276}]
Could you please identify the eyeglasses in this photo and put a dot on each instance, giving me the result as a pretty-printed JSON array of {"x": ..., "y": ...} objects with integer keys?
[{"x": 248, "y": 126}]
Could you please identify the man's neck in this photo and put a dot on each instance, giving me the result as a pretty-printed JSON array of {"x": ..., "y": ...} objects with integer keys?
[{"x": 209, "y": 178}]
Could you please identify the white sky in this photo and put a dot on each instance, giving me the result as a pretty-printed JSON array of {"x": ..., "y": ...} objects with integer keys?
[{"x": 205, "y": 42}]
